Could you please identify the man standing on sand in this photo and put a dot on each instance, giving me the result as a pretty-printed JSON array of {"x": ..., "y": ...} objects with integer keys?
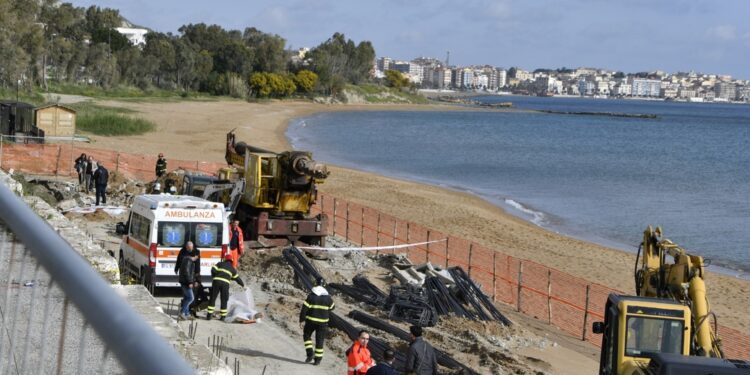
[
  {"x": 187, "y": 261},
  {"x": 90, "y": 168},
  {"x": 101, "y": 177},
  {"x": 161, "y": 166},
  {"x": 421, "y": 358}
]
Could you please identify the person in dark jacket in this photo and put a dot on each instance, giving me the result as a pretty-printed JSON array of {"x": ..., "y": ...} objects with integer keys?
[
  {"x": 222, "y": 274},
  {"x": 88, "y": 180},
  {"x": 101, "y": 177},
  {"x": 421, "y": 358},
  {"x": 315, "y": 315},
  {"x": 80, "y": 165},
  {"x": 386, "y": 366},
  {"x": 161, "y": 166},
  {"x": 186, "y": 265},
  {"x": 188, "y": 249}
]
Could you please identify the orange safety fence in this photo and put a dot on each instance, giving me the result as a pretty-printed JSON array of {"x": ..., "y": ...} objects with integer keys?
[
  {"x": 565, "y": 301},
  {"x": 59, "y": 160}
]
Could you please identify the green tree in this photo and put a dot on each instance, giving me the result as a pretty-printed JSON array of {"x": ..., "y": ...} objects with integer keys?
[
  {"x": 306, "y": 80},
  {"x": 159, "y": 47},
  {"x": 395, "y": 79},
  {"x": 260, "y": 85},
  {"x": 268, "y": 50},
  {"x": 338, "y": 60}
]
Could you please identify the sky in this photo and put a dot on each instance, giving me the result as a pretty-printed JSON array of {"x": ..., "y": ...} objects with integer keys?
[{"x": 706, "y": 36}]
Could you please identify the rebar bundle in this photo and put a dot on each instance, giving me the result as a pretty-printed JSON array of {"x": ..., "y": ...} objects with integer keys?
[{"x": 474, "y": 295}]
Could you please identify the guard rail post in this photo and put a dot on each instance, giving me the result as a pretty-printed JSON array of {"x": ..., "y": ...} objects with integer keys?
[{"x": 121, "y": 329}]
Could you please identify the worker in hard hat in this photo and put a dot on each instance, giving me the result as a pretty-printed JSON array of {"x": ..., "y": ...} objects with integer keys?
[
  {"x": 157, "y": 188},
  {"x": 315, "y": 315},
  {"x": 222, "y": 275},
  {"x": 161, "y": 166}
]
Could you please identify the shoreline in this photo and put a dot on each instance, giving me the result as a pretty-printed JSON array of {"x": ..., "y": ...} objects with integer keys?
[
  {"x": 196, "y": 131},
  {"x": 518, "y": 209}
]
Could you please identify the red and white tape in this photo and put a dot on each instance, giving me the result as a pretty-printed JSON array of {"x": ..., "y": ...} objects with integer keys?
[{"x": 370, "y": 248}]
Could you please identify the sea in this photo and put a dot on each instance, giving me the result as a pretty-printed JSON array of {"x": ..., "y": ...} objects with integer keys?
[{"x": 597, "y": 178}]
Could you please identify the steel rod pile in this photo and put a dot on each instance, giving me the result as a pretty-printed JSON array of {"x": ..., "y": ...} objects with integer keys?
[
  {"x": 443, "y": 359},
  {"x": 303, "y": 269},
  {"x": 411, "y": 304},
  {"x": 476, "y": 297},
  {"x": 307, "y": 274},
  {"x": 363, "y": 283},
  {"x": 443, "y": 300}
]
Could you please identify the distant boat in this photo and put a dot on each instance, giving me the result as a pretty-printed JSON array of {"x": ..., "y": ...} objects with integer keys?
[{"x": 545, "y": 94}]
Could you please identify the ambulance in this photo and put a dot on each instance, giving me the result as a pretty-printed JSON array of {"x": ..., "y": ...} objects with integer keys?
[{"x": 159, "y": 226}]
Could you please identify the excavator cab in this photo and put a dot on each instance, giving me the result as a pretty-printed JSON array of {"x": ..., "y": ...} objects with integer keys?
[{"x": 635, "y": 329}]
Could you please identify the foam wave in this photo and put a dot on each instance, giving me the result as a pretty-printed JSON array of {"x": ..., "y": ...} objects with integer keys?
[{"x": 537, "y": 217}]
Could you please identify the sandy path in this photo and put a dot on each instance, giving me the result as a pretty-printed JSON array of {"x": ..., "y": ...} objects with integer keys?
[{"x": 195, "y": 130}]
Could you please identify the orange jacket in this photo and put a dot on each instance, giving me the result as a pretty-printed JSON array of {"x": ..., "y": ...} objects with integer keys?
[
  {"x": 359, "y": 359},
  {"x": 241, "y": 247}
]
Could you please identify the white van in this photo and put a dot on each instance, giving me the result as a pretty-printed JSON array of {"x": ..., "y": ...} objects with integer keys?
[{"x": 159, "y": 226}]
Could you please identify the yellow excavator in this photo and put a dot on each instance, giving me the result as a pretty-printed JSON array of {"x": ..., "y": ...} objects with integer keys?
[{"x": 665, "y": 328}]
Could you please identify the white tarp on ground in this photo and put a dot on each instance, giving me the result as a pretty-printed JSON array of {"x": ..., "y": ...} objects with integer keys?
[
  {"x": 241, "y": 307},
  {"x": 112, "y": 210}
]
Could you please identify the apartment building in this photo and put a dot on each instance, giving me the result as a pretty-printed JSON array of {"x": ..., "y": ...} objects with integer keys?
[{"x": 646, "y": 87}]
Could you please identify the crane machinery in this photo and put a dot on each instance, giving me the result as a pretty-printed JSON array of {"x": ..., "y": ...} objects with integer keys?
[
  {"x": 666, "y": 325},
  {"x": 270, "y": 193}
]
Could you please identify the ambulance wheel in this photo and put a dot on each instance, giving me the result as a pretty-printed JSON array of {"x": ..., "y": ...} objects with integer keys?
[
  {"x": 147, "y": 280},
  {"x": 124, "y": 274}
]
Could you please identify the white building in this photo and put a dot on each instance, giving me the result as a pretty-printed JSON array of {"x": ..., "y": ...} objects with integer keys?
[
  {"x": 502, "y": 78},
  {"x": 623, "y": 89},
  {"x": 523, "y": 75},
  {"x": 136, "y": 37},
  {"x": 586, "y": 87},
  {"x": 646, "y": 87},
  {"x": 384, "y": 63},
  {"x": 548, "y": 84},
  {"x": 725, "y": 90}
]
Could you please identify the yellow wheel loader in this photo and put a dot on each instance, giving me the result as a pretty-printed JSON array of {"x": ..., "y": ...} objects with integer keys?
[{"x": 665, "y": 328}]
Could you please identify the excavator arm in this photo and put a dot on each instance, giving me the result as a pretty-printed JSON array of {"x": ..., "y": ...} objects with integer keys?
[{"x": 681, "y": 280}]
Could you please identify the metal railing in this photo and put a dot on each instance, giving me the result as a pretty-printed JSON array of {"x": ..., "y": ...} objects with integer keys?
[{"x": 53, "y": 298}]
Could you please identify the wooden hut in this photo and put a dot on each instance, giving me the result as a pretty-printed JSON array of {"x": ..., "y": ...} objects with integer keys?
[
  {"x": 16, "y": 118},
  {"x": 56, "y": 120}
]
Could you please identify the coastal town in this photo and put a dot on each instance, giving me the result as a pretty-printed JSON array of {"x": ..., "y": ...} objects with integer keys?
[
  {"x": 432, "y": 73},
  {"x": 191, "y": 192}
]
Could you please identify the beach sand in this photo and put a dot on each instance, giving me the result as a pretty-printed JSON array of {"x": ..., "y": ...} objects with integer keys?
[{"x": 195, "y": 130}]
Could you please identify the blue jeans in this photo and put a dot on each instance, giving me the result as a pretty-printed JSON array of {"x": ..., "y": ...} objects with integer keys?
[{"x": 187, "y": 299}]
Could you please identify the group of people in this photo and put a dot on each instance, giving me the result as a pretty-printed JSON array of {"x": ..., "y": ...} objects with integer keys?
[
  {"x": 92, "y": 175},
  {"x": 314, "y": 317},
  {"x": 188, "y": 270}
]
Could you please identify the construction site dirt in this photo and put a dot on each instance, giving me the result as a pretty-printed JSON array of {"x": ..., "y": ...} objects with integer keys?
[{"x": 274, "y": 345}]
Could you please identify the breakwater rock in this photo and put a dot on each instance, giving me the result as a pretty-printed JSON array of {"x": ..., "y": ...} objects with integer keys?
[{"x": 607, "y": 114}]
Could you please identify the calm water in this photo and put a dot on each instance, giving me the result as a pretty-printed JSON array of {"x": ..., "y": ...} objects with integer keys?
[{"x": 598, "y": 178}]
